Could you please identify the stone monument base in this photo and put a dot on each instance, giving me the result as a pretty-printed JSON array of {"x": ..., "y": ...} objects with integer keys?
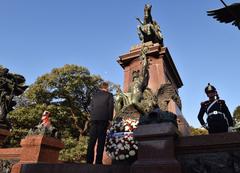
[{"x": 156, "y": 149}]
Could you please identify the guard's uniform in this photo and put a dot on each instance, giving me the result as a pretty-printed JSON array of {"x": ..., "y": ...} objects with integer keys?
[{"x": 219, "y": 117}]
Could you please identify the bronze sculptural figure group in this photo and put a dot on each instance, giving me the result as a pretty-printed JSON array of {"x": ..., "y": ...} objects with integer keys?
[
  {"x": 10, "y": 85},
  {"x": 141, "y": 98},
  {"x": 138, "y": 90}
]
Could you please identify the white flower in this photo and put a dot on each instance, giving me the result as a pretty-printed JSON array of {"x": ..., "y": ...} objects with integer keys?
[
  {"x": 127, "y": 128},
  {"x": 132, "y": 153},
  {"x": 120, "y": 145},
  {"x": 121, "y": 157}
]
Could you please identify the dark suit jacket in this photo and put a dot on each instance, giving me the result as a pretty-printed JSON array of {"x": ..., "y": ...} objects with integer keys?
[{"x": 102, "y": 106}]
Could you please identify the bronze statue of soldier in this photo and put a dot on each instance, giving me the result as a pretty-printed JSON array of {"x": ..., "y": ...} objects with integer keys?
[
  {"x": 219, "y": 118},
  {"x": 140, "y": 79}
]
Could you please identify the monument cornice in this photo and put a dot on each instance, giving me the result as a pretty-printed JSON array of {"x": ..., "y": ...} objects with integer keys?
[{"x": 134, "y": 53}]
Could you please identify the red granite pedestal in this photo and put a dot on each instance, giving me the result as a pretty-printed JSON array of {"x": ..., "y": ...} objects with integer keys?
[
  {"x": 3, "y": 134},
  {"x": 38, "y": 149},
  {"x": 156, "y": 151}
]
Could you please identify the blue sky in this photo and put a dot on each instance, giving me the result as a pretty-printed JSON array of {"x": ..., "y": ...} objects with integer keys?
[{"x": 36, "y": 36}]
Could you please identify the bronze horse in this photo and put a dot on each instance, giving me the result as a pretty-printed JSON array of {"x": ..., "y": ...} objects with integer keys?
[{"x": 149, "y": 30}]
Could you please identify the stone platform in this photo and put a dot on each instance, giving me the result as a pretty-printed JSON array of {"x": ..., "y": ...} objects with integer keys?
[{"x": 74, "y": 168}]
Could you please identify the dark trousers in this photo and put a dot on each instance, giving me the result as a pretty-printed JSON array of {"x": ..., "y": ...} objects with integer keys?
[
  {"x": 98, "y": 131},
  {"x": 217, "y": 124}
]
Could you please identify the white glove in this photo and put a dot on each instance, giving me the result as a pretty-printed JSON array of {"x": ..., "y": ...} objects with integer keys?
[{"x": 230, "y": 129}]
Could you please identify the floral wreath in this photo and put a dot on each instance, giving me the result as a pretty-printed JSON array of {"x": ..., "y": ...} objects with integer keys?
[{"x": 120, "y": 143}]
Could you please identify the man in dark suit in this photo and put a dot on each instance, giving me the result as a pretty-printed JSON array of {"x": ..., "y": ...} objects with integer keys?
[
  {"x": 219, "y": 118},
  {"x": 101, "y": 114}
]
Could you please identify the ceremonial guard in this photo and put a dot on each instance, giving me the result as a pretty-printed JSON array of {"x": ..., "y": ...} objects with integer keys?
[{"x": 219, "y": 118}]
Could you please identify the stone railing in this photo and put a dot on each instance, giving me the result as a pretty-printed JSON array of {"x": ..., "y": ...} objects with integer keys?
[{"x": 209, "y": 153}]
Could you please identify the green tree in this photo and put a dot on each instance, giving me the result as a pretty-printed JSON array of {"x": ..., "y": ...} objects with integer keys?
[
  {"x": 69, "y": 87},
  {"x": 236, "y": 114},
  {"x": 66, "y": 93}
]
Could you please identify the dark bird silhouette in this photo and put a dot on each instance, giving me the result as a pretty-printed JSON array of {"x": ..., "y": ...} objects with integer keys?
[{"x": 228, "y": 14}]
